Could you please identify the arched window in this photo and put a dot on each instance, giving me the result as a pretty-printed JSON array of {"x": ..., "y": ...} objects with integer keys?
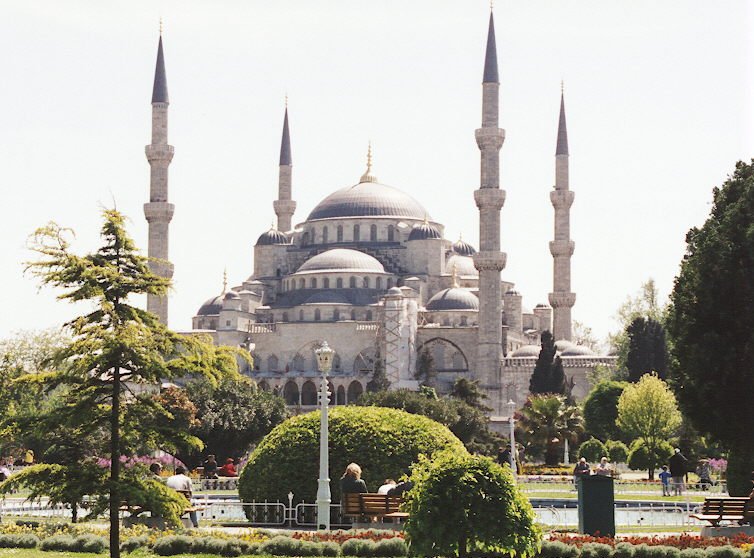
[
  {"x": 324, "y": 235},
  {"x": 285, "y": 316},
  {"x": 369, "y": 315},
  {"x": 314, "y": 236},
  {"x": 317, "y": 315},
  {"x": 272, "y": 318},
  {"x": 272, "y": 363},
  {"x": 305, "y": 239},
  {"x": 464, "y": 320},
  {"x": 365, "y": 282},
  {"x": 373, "y": 233},
  {"x": 341, "y": 397},
  {"x": 336, "y": 362},
  {"x": 390, "y": 233},
  {"x": 356, "y": 233},
  {"x": 301, "y": 283},
  {"x": 298, "y": 363},
  {"x": 313, "y": 283},
  {"x": 378, "y": 283},
  {"x": 308, "y": 393},
  {"x": 300, "y": 315},
  {"x": 353, "y": 315},
  {"x": 459, "y": 363},
  {"x": 389, "y": 282},
  {"x": 290, "y": 393},
  {"x": 351, "y": 283},
  {"x": 335, "y": 315},
  {"x": 438, "y": 354},
  {"x": 354, "y": 391},
  {"x": 339, "y": 283},
  {"x": 340, "y": 233}
]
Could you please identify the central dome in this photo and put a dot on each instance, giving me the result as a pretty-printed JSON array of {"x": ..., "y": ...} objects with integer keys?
[
  {"x": 342, "y": 259},
  {"x": 368, "y": 199}
]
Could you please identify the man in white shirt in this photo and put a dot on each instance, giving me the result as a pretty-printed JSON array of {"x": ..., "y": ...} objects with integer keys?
[
  {"x": 389, "y": 483},
  {"x": 182, "y": 484}
]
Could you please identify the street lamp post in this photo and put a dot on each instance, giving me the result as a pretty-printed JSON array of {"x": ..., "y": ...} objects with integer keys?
[
  {"x": 511, "y": 423},
  {"x": 324, "y": 360}
]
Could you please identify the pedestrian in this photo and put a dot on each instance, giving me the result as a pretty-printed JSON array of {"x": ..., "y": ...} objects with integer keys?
[
  {"x": 705, "y": 473},
  {"x": 182, "y": 484},
  {"x": 604, "y": 468},
  {"x": 210, "y": 467},
  {"x": 665, "y": 480},
  {"x": 678, "y": 470},
  {"x": 581, "y": 469}
]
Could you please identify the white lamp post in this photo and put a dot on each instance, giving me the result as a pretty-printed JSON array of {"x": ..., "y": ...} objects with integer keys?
[
  {"x": 324, "y": 360},
  {"x": 511, "y": 423}
]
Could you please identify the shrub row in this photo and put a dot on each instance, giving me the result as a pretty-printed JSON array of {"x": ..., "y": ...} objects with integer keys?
[
  {"x": 559, "y": 549},
  {"x": 67, "y": 543}
]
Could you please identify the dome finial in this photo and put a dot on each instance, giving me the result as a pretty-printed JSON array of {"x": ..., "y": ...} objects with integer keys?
[
  {"x": 225, "y": 280},
  {"x": 454, "y": 276},
  {"x": 460, "y": 236},
  {"x": 368, "y": 176},
  {"x": 160, "y": 26}
]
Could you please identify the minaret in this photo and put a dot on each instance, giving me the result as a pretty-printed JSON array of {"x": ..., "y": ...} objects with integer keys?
[
  {"x": 158, "y": 211},
  {"x": 561, "y": 248},
  {"x": 284, "y": 206},
  {"x": 489, "y": 199}
]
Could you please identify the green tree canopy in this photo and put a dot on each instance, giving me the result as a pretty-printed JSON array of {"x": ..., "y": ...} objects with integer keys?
[
  {"x": 548, "y": 375},
  {"x": 711, "y": 325},
  {"x": 464, "y": 503},
  {"x": 648, "y": 411},
  {"x": 593, "y": 450},
  {"x": 426, "y": 371},
  {"x": 647, "y": 349},
  {"x": 601, "y": 409},
  {"x": 545, "y": 422},
  {"x": 643, "y": 305},
  {"x": 114, "y": 344}
]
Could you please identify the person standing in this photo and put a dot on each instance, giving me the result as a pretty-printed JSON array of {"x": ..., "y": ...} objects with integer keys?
[
  {"x": 665, "y": 480},
  {"x": 182, "y": 484},
  {"x": 210, "y": 467},
  {"x": 604, "y": 468},
  {"x": 678, "y": 470},
  {"x": 705, "y": 473}
]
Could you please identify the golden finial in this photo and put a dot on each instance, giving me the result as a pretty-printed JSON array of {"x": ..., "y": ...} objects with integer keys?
[
  {"x": 460, "y": 236},
  {"x": 454, "y": 276},
  {"x": 225, "y": 280},
  {"x": 286, "y": 99},
  {"x": 426, "y": 218},
  {"x": 562, "y": 87},
  {"x": 160, "y": 26},
  {"x": 272, "y": 225},
  {"x": 492, "y": 4},
  {"x": 368, "y": 176}
]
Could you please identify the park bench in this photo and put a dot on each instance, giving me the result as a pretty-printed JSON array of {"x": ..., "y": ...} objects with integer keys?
[
  {"x": 380, "y": 506},
  {"x": 134, "y": 511},
  {"x": 731, "y": 509}
]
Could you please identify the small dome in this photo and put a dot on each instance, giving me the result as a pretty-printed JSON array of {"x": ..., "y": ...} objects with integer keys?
[
  {"x": 453, "y": 299},
  {"x": 562, "y": 344},
  {"x": 211, "y": 307},
  {"x": 464, "y": 266},
  {"x": 577, "y": 350},
  {"x": 423, "y": 231},
  {"x": 342, "y": 259},
  {"x": 231, "y": 295},
  {"x": 368, "y": 199},
  {"x": 512, "y": 292},
  {"x": 327, "y": 297},
  {"x": 463, "y": 248},
  {"x": 394, "y": 291},
  {"x": 541, "y": 305},
  {"x": 526, "y": 351},
  {"x": 271, "y": 237}
]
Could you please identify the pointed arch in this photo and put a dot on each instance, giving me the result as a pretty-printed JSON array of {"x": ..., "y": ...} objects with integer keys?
[
  {"x": 290, "y": 393},
  {"x": 340, "y": 399},
  {"x": 308, "y": 393},
  {"x": 355, "y": 389}
]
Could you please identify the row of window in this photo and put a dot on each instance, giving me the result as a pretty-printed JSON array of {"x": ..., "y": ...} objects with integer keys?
[
  {"x": 310, "y": 236},
  {"x": 353, "y": 283},
  {"x": 362, "y": 364},
  {"x": 334, "y": 316},
  {"x": 307, "y": 395}
]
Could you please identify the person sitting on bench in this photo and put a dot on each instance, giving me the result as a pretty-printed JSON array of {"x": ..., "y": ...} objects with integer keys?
[{"x": 182, "y": 484}]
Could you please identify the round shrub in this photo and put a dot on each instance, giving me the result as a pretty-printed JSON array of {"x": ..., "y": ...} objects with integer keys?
[
  {"x": 639, "y": 456},
  {"x": 134, "y": 543},
  {"x": 172, "y": 545},
  {"x": 463, "y": 502},
  {"x": 726, "y": 551},
  {"x": 19, "y": 541},
  {"x": 596, "y": 550},
  {"x": 330, "y": 548},
  {"x": 389, "y": 548},
  {"x": 358, "y": 547},
  {"x": 287, "y": 546},
  {"x": 90, "y": 543},
  {"x": 558, "y": 549},
  {"x": 626, "y": 550},
  {"x": 662, "y": 551},
  {"x": 617, "y": 451},
  {"x": 593, "y": 450},
  {"x": 385, "y": 442},
  {"x": 693, "y": 553},
  {"x": 61, "y": 543}
]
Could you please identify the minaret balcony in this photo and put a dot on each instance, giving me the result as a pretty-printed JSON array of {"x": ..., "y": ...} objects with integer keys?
[
  {"x": 562, "y": 199},
  {"x": 562, "y": 247},
  {"x": 159, "y": 152},
  {"x": 285, "y": 207},
  {"x": 562, "y": 300},
  {"x": 489, "y": 261},
  {"x": 489, "y": 138},
  {"x": 158, "y": 211},
  {"x": 489, "y": 198}
]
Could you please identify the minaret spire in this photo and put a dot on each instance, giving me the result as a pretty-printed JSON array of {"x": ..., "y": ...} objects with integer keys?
[
  {"x": 158, "y": 211},
  {"x": 489, "y": 199},
  {"x": 284, "y": 206},
  {"x": 562, "y": 247}
]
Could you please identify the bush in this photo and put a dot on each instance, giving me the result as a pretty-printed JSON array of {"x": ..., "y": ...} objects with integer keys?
[
  {"x": 172, "y": 545},
  {"x": 90, "y": 543},
  {"x": 617, "y": 451},
  {"x": 596, "y": 550},
  {"x": 558, "y": 549},
  {"x": 287, "y": 546},
  {"x": 19, "y": 541},
  {"x": 134, "y": 543},
  {"x": 624, "y": 550},
  {"x": 640, "y": 458},
  {"x": 384, "y": 441},
  {"x": 661, "y": 551},
  {"x": 466, "y": 502},
  {"x": 330, "y": 548},
  {"x": 726, "y": 551},
  {"x": 593, "y": 450},
  {"x": 391, "y": 547},
  {"x": 358, "y": 547}
]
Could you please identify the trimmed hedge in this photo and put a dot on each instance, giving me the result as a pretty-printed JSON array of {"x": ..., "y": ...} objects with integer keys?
[{"x": 385, "y": 442}]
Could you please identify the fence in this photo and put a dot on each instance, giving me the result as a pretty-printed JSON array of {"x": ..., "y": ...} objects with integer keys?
[{"x": 565, "y": 485}]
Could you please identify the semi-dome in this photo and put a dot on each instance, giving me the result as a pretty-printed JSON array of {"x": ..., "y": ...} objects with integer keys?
[
  {"x": 423, "y": 231},
  {"x": 368, "y": 199},
  {"x": 342, "y": 259},
  {"x": 463, "y": 248},
  {"x": 527, "y": 351},
  {"x": 577, "y": 350},
  {"x": 328, "y": 296},
  {"x": 272, "y": 236},
  {"x": 212, "y": 306},
  {"x": 453, "y": 299},
  {"x": 464, "y": 265}
]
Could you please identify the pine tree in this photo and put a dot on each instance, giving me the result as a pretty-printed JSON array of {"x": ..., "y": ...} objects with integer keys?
[
  {"x": 647, "y": 349},
  {"x": 548, "y": 375},
  {"x": 425, "y": 368},
  {"x": 379, "y": 381}
]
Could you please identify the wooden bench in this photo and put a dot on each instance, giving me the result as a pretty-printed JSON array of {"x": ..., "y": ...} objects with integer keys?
[
  {"x": 719, "y": 509},
  {"x": 371, "y": 505}
]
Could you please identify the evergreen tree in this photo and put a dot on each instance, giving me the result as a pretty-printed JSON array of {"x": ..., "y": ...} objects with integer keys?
[
  {"x": 548, "y": 375},
  {"x": 647, "y": 350},
  {"x": 711, "y": 325},
  {"x": 379, "y": 381},
  {"x": 113, "y": 344},
  {"x": 426, "y": 372}
]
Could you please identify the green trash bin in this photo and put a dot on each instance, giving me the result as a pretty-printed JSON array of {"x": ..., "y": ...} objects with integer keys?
[{"x": 596, "y": 505}]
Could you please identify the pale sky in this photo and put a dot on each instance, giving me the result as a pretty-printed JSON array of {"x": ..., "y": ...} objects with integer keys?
[{"x": 658, "y": 96}]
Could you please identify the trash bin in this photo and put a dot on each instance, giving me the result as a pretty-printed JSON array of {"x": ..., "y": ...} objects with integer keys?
[{"x": 596, "y": 505}]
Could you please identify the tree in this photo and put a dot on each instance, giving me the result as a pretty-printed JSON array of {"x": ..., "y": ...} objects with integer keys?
[
  {"x": 468, "y": 391},
  {"x": 601, "y": 409},
  {"x": 583, "y": 335},
  {"x": 233, "y": 415},
  {"x": 616, "y": 451},
  {"x": 548, "y": 375},
  {"x": 426, "y": 372},
  {"x": 647, "y": 349},
  {"x": 711, "y": 325},
  {"x": 640, "y": 456},
  {"x": 467, "y": 503},
  {"x": 546, "y": 421},
  {"x": 593, "y": 450},
  {"x": 114, "y": 344},
  {"x": 643, "y": 305},
  {"x": 379, "y": 381},
  {"x": 648, "y": 411}
]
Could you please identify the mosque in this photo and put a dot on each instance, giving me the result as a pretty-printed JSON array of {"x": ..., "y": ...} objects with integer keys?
[{"x": 370, "y": 271}]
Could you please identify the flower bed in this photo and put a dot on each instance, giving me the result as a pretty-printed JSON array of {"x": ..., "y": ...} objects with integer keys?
[
  {"x": 340, "y": 536},
  {"x": 680, "y": 542}
]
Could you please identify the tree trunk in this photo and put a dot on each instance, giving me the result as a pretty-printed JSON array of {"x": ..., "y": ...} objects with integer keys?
[
  {"x": 651, "y": 473},
  {"x": 115, "y": 466},
  {"x": 74, "y": 512},
  {"x": 462, "y": 545}
]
